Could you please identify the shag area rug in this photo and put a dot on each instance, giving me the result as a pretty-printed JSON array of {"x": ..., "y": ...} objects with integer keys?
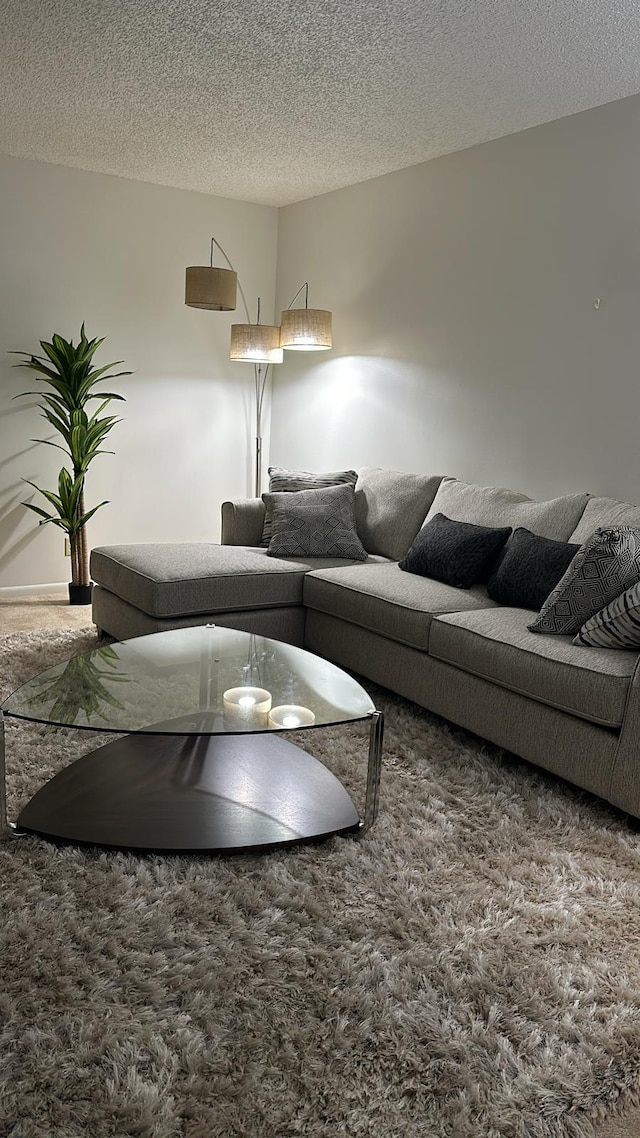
[{"x": 469, "y": 969}]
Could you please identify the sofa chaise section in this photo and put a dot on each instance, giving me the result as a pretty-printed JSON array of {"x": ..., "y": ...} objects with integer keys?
[
  {"x": 141, "y": 589},
  {"x": 148, "y": 588}
]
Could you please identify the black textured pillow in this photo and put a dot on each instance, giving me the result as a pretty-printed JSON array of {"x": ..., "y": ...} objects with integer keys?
[
  {"x": 315, "y": 523},
  {"x": 529, "y": 569},
  {"x": 458, "y": 553}
]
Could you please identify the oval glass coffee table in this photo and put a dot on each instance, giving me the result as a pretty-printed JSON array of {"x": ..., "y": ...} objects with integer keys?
[{"x": 204, "y": 763}]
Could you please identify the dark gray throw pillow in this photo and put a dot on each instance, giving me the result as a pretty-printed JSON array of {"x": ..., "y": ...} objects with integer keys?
[
  {"x": 530, "y": 567},
  {"x": 458, "y": 553},
  {"x": 283, "y": 481},
  {"x": 315, "y": 523}
]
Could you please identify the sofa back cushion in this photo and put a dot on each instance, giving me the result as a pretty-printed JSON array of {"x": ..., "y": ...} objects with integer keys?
[
  {"x": 605, "y": 513},
  {"x": 390, "y": 508},
  {"x": 497, "y": 506}
]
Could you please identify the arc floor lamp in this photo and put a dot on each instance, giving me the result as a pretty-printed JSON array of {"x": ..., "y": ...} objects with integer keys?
[{"x": 301, "y": 329}]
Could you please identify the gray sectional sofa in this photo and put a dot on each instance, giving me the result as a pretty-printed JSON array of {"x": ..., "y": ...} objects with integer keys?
[{"x": 574, "y": 710}]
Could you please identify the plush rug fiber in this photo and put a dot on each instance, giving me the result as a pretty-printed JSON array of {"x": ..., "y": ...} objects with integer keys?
[{"x": 470, "y": 969}]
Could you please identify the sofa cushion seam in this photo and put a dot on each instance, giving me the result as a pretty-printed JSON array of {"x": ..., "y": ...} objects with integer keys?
[{"x": 209, "y": 576}]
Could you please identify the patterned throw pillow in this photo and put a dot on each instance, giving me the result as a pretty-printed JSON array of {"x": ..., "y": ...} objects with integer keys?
[
  {"x": 315, "y": 523},
  {"x": 605, "y": 565},
  {"x": 617, "y": 625},
  {"x": 458, "y": 553},
  {"x": 283, "y": 481},
  {"x": 529, "y": 569}
]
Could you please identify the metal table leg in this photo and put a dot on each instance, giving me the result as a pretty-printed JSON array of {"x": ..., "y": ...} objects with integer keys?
[
  {"x": 4, "y": 825},
  {"x": 374, "y": 768},
  {"x": 7, "y": 829}
]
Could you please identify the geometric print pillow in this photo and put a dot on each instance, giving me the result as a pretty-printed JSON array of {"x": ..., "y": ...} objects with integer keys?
[
  {"x": 605, "y": 565},
  {"x": 291, "y": 481},
  {"x": 617, "y": 625},
  {"x": 315, "y": 523}
]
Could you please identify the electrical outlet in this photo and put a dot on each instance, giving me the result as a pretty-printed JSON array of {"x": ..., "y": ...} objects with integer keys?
[{"x": 67, "y": 547}]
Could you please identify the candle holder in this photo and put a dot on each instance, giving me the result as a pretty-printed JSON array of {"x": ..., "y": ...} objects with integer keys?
[
  {"x": 246, "y": 706},
  {"x": 290, "y": 716}
]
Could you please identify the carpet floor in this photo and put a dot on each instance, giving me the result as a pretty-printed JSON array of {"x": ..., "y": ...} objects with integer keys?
[{"x": 469, "y": 969}]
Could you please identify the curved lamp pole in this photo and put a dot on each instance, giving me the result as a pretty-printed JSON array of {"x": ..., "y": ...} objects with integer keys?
[
  {"x": 259, "y": 344},
  {"x": 302, "y": 329}
]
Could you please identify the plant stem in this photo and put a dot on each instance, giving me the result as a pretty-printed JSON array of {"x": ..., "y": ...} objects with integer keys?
[
  {"x": 75, "y": 570},
  {"x": 83, "y": 552}
]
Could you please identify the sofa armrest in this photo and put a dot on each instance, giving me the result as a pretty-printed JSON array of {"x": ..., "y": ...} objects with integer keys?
[
  {"x": 624, "y": 790},
  {"x": 242, "y": 521}
]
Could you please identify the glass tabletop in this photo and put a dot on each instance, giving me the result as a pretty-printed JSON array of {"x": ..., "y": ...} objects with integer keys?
[{"x": 205, "y": 680}]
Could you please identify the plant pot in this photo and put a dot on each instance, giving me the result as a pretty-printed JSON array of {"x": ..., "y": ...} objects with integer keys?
[{"x": 80, "y": 594}]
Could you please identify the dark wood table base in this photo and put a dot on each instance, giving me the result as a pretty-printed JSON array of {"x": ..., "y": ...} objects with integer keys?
[{"x": 192, "y": 793}]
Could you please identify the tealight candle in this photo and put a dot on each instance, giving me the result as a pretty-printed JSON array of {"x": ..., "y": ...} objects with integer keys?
[
  {"x": 290, "y": 715},
  {"x": 247, "y": 705}
]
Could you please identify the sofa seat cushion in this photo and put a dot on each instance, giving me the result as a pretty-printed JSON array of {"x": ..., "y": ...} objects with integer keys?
[
  {"x": 382, "y": 598},
  {"x": 177, "y": 579},
  {"x": 495, "y": 644}
]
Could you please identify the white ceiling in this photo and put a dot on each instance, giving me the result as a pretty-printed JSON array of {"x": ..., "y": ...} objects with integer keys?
[{"x": 276, "y": 100}]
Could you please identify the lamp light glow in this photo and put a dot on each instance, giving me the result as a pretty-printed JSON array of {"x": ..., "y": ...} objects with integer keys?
[
  {"x": 257, "y": 343},
  {"x": 305, "y": 329}
]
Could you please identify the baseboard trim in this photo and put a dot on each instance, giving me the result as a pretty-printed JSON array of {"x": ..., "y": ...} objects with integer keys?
[{"x": 33, "y": 590}]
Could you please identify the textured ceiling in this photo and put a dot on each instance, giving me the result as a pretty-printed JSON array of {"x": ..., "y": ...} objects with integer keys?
[{"x": 276, "y": 100}]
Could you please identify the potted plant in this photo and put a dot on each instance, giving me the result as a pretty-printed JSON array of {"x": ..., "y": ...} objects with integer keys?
[{"x": 69, "y": 377}]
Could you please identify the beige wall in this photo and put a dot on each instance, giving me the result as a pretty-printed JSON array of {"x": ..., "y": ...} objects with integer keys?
[
  {"x": 74, "y": 246},
  {"x": 465, "y": 335}
]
